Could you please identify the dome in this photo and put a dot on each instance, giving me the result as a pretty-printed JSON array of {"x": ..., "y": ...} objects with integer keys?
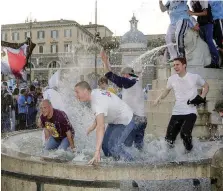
[{"x": 133, "y": 36}]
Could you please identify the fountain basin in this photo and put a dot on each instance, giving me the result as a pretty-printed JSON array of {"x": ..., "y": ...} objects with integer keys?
[{"x": 112, "y": 172}]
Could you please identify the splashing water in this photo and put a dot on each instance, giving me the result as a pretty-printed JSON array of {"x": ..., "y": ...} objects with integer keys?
[{"x": 81, "y": 117}]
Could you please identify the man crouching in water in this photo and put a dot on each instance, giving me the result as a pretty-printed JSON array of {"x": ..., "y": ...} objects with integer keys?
[
  {"x": 58, "y": 130},
  {"x": 108, "y": 108},
  {"x": 184, "y": 114}
]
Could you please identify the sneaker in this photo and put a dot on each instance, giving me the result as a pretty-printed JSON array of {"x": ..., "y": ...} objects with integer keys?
[
  {"x": 216, "y": 66},
  {"x": 134, "y": 184}
]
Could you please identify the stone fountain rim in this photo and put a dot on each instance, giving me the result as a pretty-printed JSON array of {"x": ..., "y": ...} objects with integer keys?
[{"x": 102, "y": 164}]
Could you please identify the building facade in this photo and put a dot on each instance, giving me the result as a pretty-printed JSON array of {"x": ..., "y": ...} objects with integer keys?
[{"x": 59, "y": 45}]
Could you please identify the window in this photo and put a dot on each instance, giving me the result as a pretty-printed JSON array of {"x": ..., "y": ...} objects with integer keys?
[
  {"x": 27, "y": 35},
  {"x": 4, "y": 36},
  {"x": 30, "y": 65},
  {"x": 77, "y": 33},
  {"x": 40, "y": 34},
  {"x": 67, "y": 33},
  {"x": 54, "y": 34},
  {"x": 15, "y": 36},
  {"x": 54, "y": 65},
  {"x": 40, "y": 64},
  {"x": 54, "y": 48},
  {"x": 40, "y": 48},
  {"x": 67, "y": 47}
]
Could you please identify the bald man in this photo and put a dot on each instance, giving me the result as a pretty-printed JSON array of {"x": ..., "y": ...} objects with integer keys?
[{"x": 59, "y": 133}]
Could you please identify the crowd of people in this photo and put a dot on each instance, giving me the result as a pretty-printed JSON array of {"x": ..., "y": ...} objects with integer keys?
[{"x": 19, "y": 107}]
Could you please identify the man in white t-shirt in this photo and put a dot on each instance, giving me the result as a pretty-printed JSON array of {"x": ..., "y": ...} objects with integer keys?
[
  {"x": 108, "y": 108},
  {"x": 184, "y": 114}
]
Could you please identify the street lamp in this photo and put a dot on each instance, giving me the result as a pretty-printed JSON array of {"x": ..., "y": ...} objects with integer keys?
[
  {"x": 29, "y": 21},
  {"x": 97, "y": 35}
]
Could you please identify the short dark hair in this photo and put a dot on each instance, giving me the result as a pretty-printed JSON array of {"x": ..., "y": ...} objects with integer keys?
[
  {"x": 83, "y": 85},
  {"x": 22, "y": 91},
  {"x": 103, "y": 80},
  {"x": 16, "y": 91},
  {"x": 32, "y": 88},
  {"x": 5, "y": 84},
  {"x": 219, "y": 106},
  {"x": 183, "y": 60}
]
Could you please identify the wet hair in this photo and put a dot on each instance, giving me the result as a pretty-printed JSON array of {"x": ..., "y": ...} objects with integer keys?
[
  {"x": 219, "y": 106},
  {"x": 182, "y": 60},
  {"x": 83, "y": 85},
  {"x": 103, "y": 80}
]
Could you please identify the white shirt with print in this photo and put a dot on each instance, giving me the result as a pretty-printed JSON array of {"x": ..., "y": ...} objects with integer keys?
[
  {"x": 185, "y": 88},
  {"x": 114, "y": 109}
]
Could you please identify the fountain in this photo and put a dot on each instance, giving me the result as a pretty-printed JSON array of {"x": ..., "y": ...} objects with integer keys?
[{"x": 23, "y": 167}]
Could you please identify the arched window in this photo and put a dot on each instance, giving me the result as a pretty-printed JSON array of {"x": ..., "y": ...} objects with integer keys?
[
  {"x": 40, "y": 49},
  {"x": 54, "y": 64}
]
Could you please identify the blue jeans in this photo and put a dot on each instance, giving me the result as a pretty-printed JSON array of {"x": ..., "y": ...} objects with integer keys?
[
  {"x": 116, "y": 137},
  {"x": 52, "y": 143},
  {"x": 206, "y": 33}
]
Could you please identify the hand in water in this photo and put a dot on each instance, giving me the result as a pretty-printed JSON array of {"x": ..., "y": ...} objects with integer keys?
[
  {"x": 73, "y": 150},
  {"x": 96, "y": 158}
]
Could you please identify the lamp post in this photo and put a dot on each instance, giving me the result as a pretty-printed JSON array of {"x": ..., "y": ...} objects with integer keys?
[
  {"x": 29, "y": 21},
  {"x": 95, "y": 40}
]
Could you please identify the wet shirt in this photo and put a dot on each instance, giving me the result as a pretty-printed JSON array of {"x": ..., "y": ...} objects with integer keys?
[
  {"x": 58, "y": 124},
  {"x": 185, "y": 88},
  {"x": 114, "y": 109},
  {"x": 177, "y": 11}
]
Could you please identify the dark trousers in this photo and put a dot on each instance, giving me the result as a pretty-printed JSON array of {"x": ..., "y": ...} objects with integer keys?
[
  {"x": 206, "y": 33},
  {"x": 22, "y": 118},
  {"x": 218, "y": 32},
  {"x": 137, "y": 136},
  {"x": 182, "y": 124}
]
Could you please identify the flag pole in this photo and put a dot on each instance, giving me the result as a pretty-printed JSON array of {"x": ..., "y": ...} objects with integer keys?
[{"x": 30, "y": 60}]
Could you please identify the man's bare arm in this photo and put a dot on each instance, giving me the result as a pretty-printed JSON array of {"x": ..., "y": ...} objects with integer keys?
[
  {"x": 92, "y": 127},
  {"x": 100, "y": 131},
  {"x": 205, "y": 90},
  {"x": 70, "y": 139},
  {"x": 164, "y": 93},
  {"x": 163, "y": 8}
]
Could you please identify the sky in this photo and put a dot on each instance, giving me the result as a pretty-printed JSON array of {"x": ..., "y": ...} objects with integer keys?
[{"x": 114, "y": 14}]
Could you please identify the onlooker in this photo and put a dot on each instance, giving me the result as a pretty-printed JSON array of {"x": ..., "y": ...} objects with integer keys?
[
  {"x": 219, "y": 107},
  {"x": 103, "y": 84},
  {"x": 22, "y": 110}
]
